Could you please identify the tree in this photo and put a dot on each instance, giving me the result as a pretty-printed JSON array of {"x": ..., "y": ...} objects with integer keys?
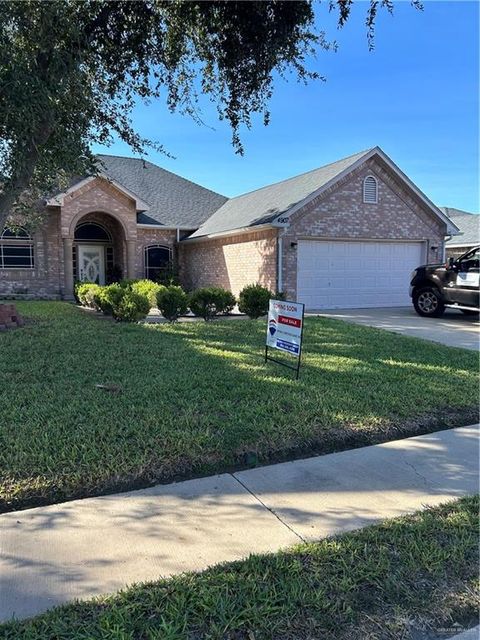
[{"x": 71, "y": 72}]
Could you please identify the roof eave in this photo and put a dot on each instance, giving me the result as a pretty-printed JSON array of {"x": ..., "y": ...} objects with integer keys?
[
  {"x": 231, "y": 232},
  {"x": 452, "y": 228},
  {"x": 58, "y": 200}
]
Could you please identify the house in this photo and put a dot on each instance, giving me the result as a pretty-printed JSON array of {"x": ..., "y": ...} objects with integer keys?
[
  {"x": 345, "y": 235},
  {"x": 469, "y": 232}
]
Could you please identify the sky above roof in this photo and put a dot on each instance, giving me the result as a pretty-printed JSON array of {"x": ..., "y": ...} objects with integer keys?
[{"x": 416, "y": 96}]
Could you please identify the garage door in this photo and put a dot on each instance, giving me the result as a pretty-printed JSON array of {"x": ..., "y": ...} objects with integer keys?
[{"x": 350, "y": 275}]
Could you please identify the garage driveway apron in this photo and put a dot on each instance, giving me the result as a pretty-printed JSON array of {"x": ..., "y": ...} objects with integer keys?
[{"x": 453, "y": 329}]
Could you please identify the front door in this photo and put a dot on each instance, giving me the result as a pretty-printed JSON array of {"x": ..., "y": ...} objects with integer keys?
[{"x": 91, "y": 263}]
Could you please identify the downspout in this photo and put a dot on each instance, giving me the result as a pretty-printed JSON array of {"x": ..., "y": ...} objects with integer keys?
[{"x": 280, "y": 259}]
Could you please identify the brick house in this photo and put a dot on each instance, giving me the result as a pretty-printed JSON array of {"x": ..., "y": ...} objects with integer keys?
[
  {"x": 345, "y": 235},
  {"x": 469, "y": 232}
]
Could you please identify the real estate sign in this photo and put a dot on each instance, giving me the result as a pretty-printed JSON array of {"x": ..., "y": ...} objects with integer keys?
[{"x": 285, "y": 328}]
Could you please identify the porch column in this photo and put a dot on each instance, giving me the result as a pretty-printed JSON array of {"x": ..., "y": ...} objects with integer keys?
[
  {"x": 131, "y": 247},
  {"x": 68, "y": 268}
]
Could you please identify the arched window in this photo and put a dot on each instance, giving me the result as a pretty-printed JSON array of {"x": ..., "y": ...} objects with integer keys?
[
  {"x": 370, "y": 190},
  {"x": 16, "y": 249},
  {"x": 158, "y": 260},
  {"x": 91, "y": 232}
]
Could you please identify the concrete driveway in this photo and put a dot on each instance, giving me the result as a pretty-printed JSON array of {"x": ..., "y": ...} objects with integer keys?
[{"x": 453, "y": 329}]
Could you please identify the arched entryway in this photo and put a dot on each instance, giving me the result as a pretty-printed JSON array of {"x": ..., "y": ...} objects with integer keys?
[{"x": 99, "y": 249}]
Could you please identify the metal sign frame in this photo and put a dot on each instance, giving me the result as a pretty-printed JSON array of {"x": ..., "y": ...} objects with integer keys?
[{"x": 285, "y": 364}]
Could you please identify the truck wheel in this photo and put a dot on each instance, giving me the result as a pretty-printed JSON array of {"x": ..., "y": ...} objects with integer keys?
[{"x": 427, "y": 302}]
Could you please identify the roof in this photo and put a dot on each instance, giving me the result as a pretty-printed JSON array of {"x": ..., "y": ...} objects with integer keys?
[
  {"x": 171, "y": 199},
  {"x": 263, "y": 205},
  {"x": 468, "y": 224}
]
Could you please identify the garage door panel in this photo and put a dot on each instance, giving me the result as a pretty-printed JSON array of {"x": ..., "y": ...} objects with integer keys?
[{"x": 349, "y": 274}]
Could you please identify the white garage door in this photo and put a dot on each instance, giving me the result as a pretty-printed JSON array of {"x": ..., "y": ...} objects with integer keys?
[{"x": 352, "y": 275}]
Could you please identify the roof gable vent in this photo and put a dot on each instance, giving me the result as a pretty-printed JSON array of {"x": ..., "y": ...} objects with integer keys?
[{"x": 370, "y": 190}]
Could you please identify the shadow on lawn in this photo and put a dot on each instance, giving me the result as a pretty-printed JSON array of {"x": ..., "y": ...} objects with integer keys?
[
  {"x": 199, "y": 399},
  {"x": 66, "y": 551}
]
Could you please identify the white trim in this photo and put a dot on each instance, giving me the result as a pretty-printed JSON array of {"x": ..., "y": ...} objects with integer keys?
[
  {"x": 280, "y": 259},
  {"x": 370, "y": 177},
  {"x": 452, "y": 228},
  {"x": 58, "y": 200},
  {"x": 143, "y": 225},
  {"x": 232, "y": 232},
  {"x": 448, "y": 245},
  {"x": 157, "y": 245}
]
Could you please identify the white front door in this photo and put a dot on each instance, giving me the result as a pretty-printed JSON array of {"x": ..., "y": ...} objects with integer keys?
[
  {"x": 91, "y": 263},
  {"x": 335, "y": 274}
]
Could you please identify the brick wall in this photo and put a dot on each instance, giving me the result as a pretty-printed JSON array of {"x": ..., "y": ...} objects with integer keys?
[
  {"x": 341, "y": 213},
  {"x": 46, "y": 278},
  {"x": 98, "y": 195},
  {"x": 230, "y": 262},
  {"x": 96, "y": 201}
]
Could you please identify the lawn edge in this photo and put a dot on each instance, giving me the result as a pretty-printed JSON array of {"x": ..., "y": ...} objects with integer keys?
[{"x": 139, "y": 484}]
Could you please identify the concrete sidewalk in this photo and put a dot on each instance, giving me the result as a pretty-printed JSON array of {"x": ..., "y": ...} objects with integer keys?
[{"x": 53, "y": 554}]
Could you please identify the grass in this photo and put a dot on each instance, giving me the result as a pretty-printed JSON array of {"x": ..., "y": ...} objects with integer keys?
[
  {"x": 197, "y": 398},
  {"x": 389, "y": 581}
]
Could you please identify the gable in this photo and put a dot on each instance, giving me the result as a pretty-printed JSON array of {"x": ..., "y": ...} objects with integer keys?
[{"x": 341, "y": 212}]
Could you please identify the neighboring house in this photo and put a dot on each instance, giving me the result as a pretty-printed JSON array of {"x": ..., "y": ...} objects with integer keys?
[
  {"x": 345, "y": 235},
  {"x": 469, "y": 232}
]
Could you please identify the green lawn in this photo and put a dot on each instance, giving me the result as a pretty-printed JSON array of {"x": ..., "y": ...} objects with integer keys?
[
  {"x": 198, "y": 398},
  {"x": 385, "y": 582}
]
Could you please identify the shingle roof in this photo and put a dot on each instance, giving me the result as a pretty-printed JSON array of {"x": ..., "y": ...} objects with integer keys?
[
  {"x": 264, "y": 205},
  {"x": 173, "y": 200},
  {"x": 469, "y": 225}
]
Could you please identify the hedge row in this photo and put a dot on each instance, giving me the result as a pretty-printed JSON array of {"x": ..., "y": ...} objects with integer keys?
[{"x": 131, "y": 300}]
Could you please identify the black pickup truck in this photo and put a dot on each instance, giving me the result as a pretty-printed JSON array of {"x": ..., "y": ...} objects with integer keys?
[{"x": 434, "y": 287}]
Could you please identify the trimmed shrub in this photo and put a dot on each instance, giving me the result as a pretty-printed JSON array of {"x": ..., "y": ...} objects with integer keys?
[
  {"x": 172, "y": 302},
  {"x": 86, "y": 293},
  {"x": 226, "y": 301},
  {"x": 108, "y": 298},
  {"x": 132, "y": 306},
  {"x": 254, "y": 300},
  {"x": 148, "y": 289},
  {"x": 210, "y": 301}
]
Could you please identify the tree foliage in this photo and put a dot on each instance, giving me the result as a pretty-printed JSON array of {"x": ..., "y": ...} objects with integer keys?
[{"x": 72, "y": 71}]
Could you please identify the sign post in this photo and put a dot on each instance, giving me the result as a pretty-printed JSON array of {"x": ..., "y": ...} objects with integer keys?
[{"x": 285, "y": 330}]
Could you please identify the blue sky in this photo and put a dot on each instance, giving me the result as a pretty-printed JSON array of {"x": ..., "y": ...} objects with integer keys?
[{"x": 416, "y": 95}]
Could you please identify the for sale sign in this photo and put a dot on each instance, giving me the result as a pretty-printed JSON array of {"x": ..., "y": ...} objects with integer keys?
[{"x": 285, "y": 326}]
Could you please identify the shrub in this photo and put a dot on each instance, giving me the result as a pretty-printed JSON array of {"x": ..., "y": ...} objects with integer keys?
[
  {"x": 86, "y": 293},
  {"x": 210, "y": 301},
  {"x": 226, "y": 301},
  {"x": 148, "y": 289},
  {"x": 254, "y": 300},
  {"x": 108, "y": 298},
  {"x": 131, "y": 307},
  {"x": 172, "y": 302}
]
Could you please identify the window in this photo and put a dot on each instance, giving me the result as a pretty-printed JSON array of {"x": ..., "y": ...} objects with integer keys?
[
  {"x": 470, "y": 262},
  {"x": 370, "y": 190},
  {"x": 158, "y": 260},
  {"x": 91, "y": 232},
  {"x": 16, "y": 250}
]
